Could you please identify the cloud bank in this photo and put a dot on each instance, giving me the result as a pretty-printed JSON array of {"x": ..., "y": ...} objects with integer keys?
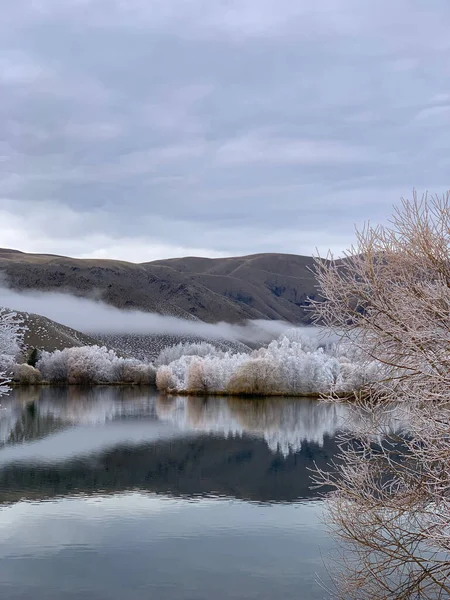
[
  {"x": 151, "y": 129},
  {"x": 92, "y": 317}
]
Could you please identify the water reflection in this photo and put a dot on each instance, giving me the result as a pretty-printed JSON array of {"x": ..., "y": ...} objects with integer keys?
[
  {"x": 284, "y": 423},
  {"x": 65, "y": 441},
  {"x": 109, "y": 493}
]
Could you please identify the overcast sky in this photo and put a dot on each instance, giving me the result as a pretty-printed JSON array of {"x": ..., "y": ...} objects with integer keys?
[{"x": 143, "y": 129}]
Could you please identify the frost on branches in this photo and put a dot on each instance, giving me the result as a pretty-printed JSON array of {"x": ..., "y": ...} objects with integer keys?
[
  {"x": 391, "y": 501},
  {"x": 11, "y": 339},
  {"x": 93, "y": 365},
  {"x": 172, "y": 353},
  {"x": 295, "y": 364}
]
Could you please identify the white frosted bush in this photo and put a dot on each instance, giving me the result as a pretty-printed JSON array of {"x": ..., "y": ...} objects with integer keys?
[
  {"x": 26, "y": 374},
  {"x": 11, "y": 339},
  {"x": 135, "y": 371},
  {"x": 217, "y": 371},
  {"x": 165, "y": 380},
  {"x": 308, "y": 338},
  {"x": 54, "y": 366},
  {"x": 179, "y": 372},
  {"x": 294, "y": 364},
  {"x": 255, "y": 376},
  {"x": 196, "y": 377},
  {"x": 93, "y": 365},
  {"x": 172, "y": 353}
]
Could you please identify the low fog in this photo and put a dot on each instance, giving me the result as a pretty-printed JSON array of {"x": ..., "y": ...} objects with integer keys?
[{"x": 95, "y": 317}]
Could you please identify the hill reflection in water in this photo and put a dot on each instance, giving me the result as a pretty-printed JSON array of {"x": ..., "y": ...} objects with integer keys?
[{"x": 64, "y": 441}]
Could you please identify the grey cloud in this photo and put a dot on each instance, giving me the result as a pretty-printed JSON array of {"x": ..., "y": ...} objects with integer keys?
[
  {"x": 221, "y": 127},
  {"x": 254, "y": 149}
]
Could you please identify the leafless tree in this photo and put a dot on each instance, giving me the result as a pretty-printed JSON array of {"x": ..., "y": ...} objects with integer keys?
[
  {"x": 11, "y": 339},
  {"x": 390, "y": 295}
]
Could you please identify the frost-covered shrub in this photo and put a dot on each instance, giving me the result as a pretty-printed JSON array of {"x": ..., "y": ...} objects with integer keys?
[
  {"x": 217, "y": 371},
  {"x": 255, "y": 376},
  {"x": 176, "y": 374},
  {"x": 165, "y": 380},
  {"x": 135, "y": 371},
  {"x": 196, "y": 377},
  {"x": 26, "y": 374},
  {"x": 308, "y": 338},
  {"x": 172, "y": 353},
  {"x": 293, "y": 364},
  {"x": 356, "y": 369},
  {"x": 301, "y": 370},
  {"x": 212, "y": 376},
  {"x": 54, "y": 366},
  {"x": 11, "y": 339},
  {"x": 93, "y": 365}
]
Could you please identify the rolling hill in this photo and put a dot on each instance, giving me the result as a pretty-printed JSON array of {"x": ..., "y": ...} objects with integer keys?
[
  {"x": 45, "y": 334},
  {"x": 261, "y": 286}
]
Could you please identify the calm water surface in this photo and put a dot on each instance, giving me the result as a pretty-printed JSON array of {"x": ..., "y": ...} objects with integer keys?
[{"x": 122, "y": 494}]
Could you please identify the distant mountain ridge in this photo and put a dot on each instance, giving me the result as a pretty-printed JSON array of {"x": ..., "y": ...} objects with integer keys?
[{"x": 260, "y": 286}]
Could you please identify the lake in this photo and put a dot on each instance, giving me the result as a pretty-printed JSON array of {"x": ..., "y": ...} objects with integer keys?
[{"x": 114, "y": 493}]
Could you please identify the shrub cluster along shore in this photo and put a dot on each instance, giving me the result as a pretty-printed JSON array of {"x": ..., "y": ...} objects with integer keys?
[{"x": 297, "y": 363}]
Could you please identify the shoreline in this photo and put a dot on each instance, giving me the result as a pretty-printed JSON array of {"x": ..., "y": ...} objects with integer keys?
[
  {"x": 173, "y": 393},
  {"x": 206, "y": 393}
]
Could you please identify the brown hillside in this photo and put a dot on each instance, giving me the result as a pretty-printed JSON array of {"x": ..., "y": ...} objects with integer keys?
[{"x": 262, "y": 286}]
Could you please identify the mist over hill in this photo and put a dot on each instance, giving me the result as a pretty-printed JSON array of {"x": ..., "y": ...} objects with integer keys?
[{"x": 232, "y": 290}]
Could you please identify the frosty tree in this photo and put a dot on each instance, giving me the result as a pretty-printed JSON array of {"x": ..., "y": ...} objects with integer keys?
[
  {"x": 91, "y": 365},
  {"x": 11, "y": 337},
  {"x": 391, "y": 505},
  {"x": 294, "y": 364}
]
